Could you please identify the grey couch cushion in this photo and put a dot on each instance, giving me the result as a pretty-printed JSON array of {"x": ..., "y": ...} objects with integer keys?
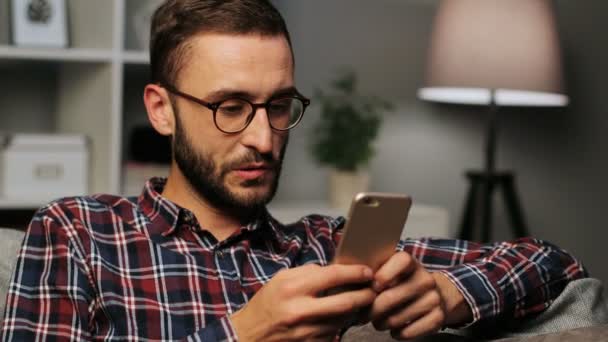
[
  {"x": 587, "y": 334},
  {"x": 10, "y": 242},
  {"x": 582, "y": 304}
]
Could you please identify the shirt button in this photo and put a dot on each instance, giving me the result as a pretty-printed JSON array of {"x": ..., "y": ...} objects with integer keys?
[
  {"x": 189, "y": 218},
  {"x": 220, "y": 253}
]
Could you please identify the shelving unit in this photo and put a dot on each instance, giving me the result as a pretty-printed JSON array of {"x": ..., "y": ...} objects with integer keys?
[
  {"x": 59, "y": 55},
  {"x": 93, "y": 87}
]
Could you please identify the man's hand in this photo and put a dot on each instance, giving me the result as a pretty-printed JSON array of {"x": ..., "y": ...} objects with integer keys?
[
  {"x": 413, "y": 302},
  {"x": 289, "y": 307}
]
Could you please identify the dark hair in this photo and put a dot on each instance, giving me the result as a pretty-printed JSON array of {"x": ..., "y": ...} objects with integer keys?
[{"x": 176, "y": 21}]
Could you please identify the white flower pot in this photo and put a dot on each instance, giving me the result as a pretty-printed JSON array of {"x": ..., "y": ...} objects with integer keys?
[{"x": 344, "y": 185}]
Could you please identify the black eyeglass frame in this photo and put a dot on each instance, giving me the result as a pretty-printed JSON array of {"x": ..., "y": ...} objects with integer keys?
[{"x": 214, "y": 106}]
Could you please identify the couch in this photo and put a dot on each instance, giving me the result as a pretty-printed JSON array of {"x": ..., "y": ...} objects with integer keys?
[{"x": 580, "y": 313}]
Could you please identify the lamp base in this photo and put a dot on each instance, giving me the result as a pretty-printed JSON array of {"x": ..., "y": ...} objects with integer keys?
[{"x": 478, "y": 208}]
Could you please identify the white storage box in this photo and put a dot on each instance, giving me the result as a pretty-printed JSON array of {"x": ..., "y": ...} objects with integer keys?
[{"x": 37, "y": 167}]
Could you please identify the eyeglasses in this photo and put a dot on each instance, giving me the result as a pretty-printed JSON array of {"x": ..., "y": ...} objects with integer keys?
[{"x": 233, "y": 115}]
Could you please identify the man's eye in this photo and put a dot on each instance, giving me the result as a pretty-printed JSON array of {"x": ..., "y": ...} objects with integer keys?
[
  {"x": 233, "y": 108},
  {"x": 280, "y": 106}
]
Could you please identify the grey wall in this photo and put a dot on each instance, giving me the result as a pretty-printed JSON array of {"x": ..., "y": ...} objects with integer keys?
[{"x": 424, "y": 149}]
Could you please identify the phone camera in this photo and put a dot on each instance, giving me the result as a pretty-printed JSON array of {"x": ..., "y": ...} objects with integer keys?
[{"x": 370, "y": 201}]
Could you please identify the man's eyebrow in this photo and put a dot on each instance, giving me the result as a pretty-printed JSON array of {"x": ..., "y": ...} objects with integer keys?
[
  {"x": 285, "y": 91},
  {"x": 222, "y": 94}
]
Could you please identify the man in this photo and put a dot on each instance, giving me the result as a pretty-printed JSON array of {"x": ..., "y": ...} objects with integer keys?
[{"x": 198, "y": 257}]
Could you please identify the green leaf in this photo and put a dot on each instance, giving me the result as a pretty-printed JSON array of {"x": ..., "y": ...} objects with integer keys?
[{"x": 349, "y": 123}]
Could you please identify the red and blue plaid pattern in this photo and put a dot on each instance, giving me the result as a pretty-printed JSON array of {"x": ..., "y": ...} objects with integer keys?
[{"x": 142, "y": 269}]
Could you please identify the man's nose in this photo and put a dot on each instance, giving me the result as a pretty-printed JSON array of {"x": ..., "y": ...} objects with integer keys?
[{"x": 258, "y": 134}]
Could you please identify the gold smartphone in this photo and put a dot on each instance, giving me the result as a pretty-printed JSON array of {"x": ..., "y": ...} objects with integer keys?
[{"x": 373, "y": 228}]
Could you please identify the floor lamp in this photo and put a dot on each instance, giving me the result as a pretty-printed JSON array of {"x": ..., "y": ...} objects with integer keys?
[{"x": 495, "y": 54}]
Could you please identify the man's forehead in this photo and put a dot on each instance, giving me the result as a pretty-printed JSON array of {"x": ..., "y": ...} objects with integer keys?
[
  {"x": 246, "y": 62},
  {"x": 240, "y": 50}
]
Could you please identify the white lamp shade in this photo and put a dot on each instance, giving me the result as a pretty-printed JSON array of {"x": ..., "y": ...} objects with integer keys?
[{"x": 506, "y": 48}]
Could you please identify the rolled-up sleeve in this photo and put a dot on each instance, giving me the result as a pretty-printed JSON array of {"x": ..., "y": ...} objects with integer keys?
[{"x": 507, "y": 279}]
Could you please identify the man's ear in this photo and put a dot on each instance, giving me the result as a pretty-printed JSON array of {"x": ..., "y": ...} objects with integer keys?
[{"x": 160, "y": 111}]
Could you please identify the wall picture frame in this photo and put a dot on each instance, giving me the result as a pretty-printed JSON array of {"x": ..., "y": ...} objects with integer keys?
[{"x": 39, "y": 23}]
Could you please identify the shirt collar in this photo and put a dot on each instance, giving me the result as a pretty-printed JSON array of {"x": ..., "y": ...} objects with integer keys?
[
  {"x": 161, "y": 212},
  {"x": 165, "y": 216}
]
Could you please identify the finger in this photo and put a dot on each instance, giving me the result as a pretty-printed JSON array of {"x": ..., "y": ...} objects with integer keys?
[
  {"x": 408, "y": 291},
  {"x": 316, "y": 331},
  {"x": 426, "y": 325},
  {"x": 339, "y": 304},
  {"x": 328, "y": 277},
  {"x": 399, "y": 265},
  {"x": 410, "y": 313}
]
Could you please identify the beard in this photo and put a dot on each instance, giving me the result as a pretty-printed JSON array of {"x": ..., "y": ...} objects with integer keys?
[{"x": 209, "y": 180}]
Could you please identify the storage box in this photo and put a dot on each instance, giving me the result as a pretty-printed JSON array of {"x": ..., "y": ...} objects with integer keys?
[
  {"x": 43, "y": 167},
  {"x": 39, "y": 23}
]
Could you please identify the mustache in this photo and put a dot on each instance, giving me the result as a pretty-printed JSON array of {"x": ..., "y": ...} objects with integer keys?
[{"x": 252, "y": 156}]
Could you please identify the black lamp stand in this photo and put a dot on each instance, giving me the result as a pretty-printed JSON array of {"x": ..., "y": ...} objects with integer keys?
[{"x": 478, "y": 207}]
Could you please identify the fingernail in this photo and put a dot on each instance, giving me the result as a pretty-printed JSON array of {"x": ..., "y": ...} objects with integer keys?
[
  {"x": 376, "y": 286},
  {"x": 367, "y": 272}
]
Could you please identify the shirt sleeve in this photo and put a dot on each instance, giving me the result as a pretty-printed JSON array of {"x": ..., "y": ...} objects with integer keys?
[
  {"x": 49, "y": 295},
  {"x": 220, "y": 330},
  {"x": 506, "y": 279},
  {"x": 337, "y": 229}
]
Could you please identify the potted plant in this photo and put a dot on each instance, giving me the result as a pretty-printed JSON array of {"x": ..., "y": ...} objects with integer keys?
[{"x": 343, "y": 137}]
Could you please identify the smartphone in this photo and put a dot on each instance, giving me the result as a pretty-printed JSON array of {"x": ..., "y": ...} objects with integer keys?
[{"x": 373, "y": 228}]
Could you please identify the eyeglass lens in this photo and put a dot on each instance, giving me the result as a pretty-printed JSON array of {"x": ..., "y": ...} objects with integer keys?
[{"x": 234, "y": 114}]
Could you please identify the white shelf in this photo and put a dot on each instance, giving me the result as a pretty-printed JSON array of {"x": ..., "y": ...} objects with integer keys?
[
  {"x": 81, "y": 89},
  {"x": 16, "y": 204},
  {"x": 60, "y": 55}
]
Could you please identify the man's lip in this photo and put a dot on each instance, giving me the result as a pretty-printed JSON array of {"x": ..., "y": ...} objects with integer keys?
[
  {"x": 253, "y": 172},
  {"x": 255, "y": 166}
]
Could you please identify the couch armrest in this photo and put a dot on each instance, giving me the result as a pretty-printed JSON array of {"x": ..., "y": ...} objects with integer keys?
[{"x": 10, "y": 243}]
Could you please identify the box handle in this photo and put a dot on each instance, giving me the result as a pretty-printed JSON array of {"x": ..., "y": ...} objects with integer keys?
[{"x": 48, "y": 171}]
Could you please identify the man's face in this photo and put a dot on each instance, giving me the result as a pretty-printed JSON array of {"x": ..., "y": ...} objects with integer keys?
[{"x": 231, "y": 171}]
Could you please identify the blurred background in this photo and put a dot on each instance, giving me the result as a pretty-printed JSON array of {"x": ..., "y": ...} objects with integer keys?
[
  {"x": 423, "y": 149},
  {"x": 91, "y": 85}
]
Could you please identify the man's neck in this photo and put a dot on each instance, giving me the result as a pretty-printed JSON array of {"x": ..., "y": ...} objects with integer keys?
[{"x": 218, "y": 222}]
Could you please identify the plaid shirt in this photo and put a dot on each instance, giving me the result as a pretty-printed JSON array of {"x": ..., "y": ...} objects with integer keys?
[{"x": 107, "y": 267}]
